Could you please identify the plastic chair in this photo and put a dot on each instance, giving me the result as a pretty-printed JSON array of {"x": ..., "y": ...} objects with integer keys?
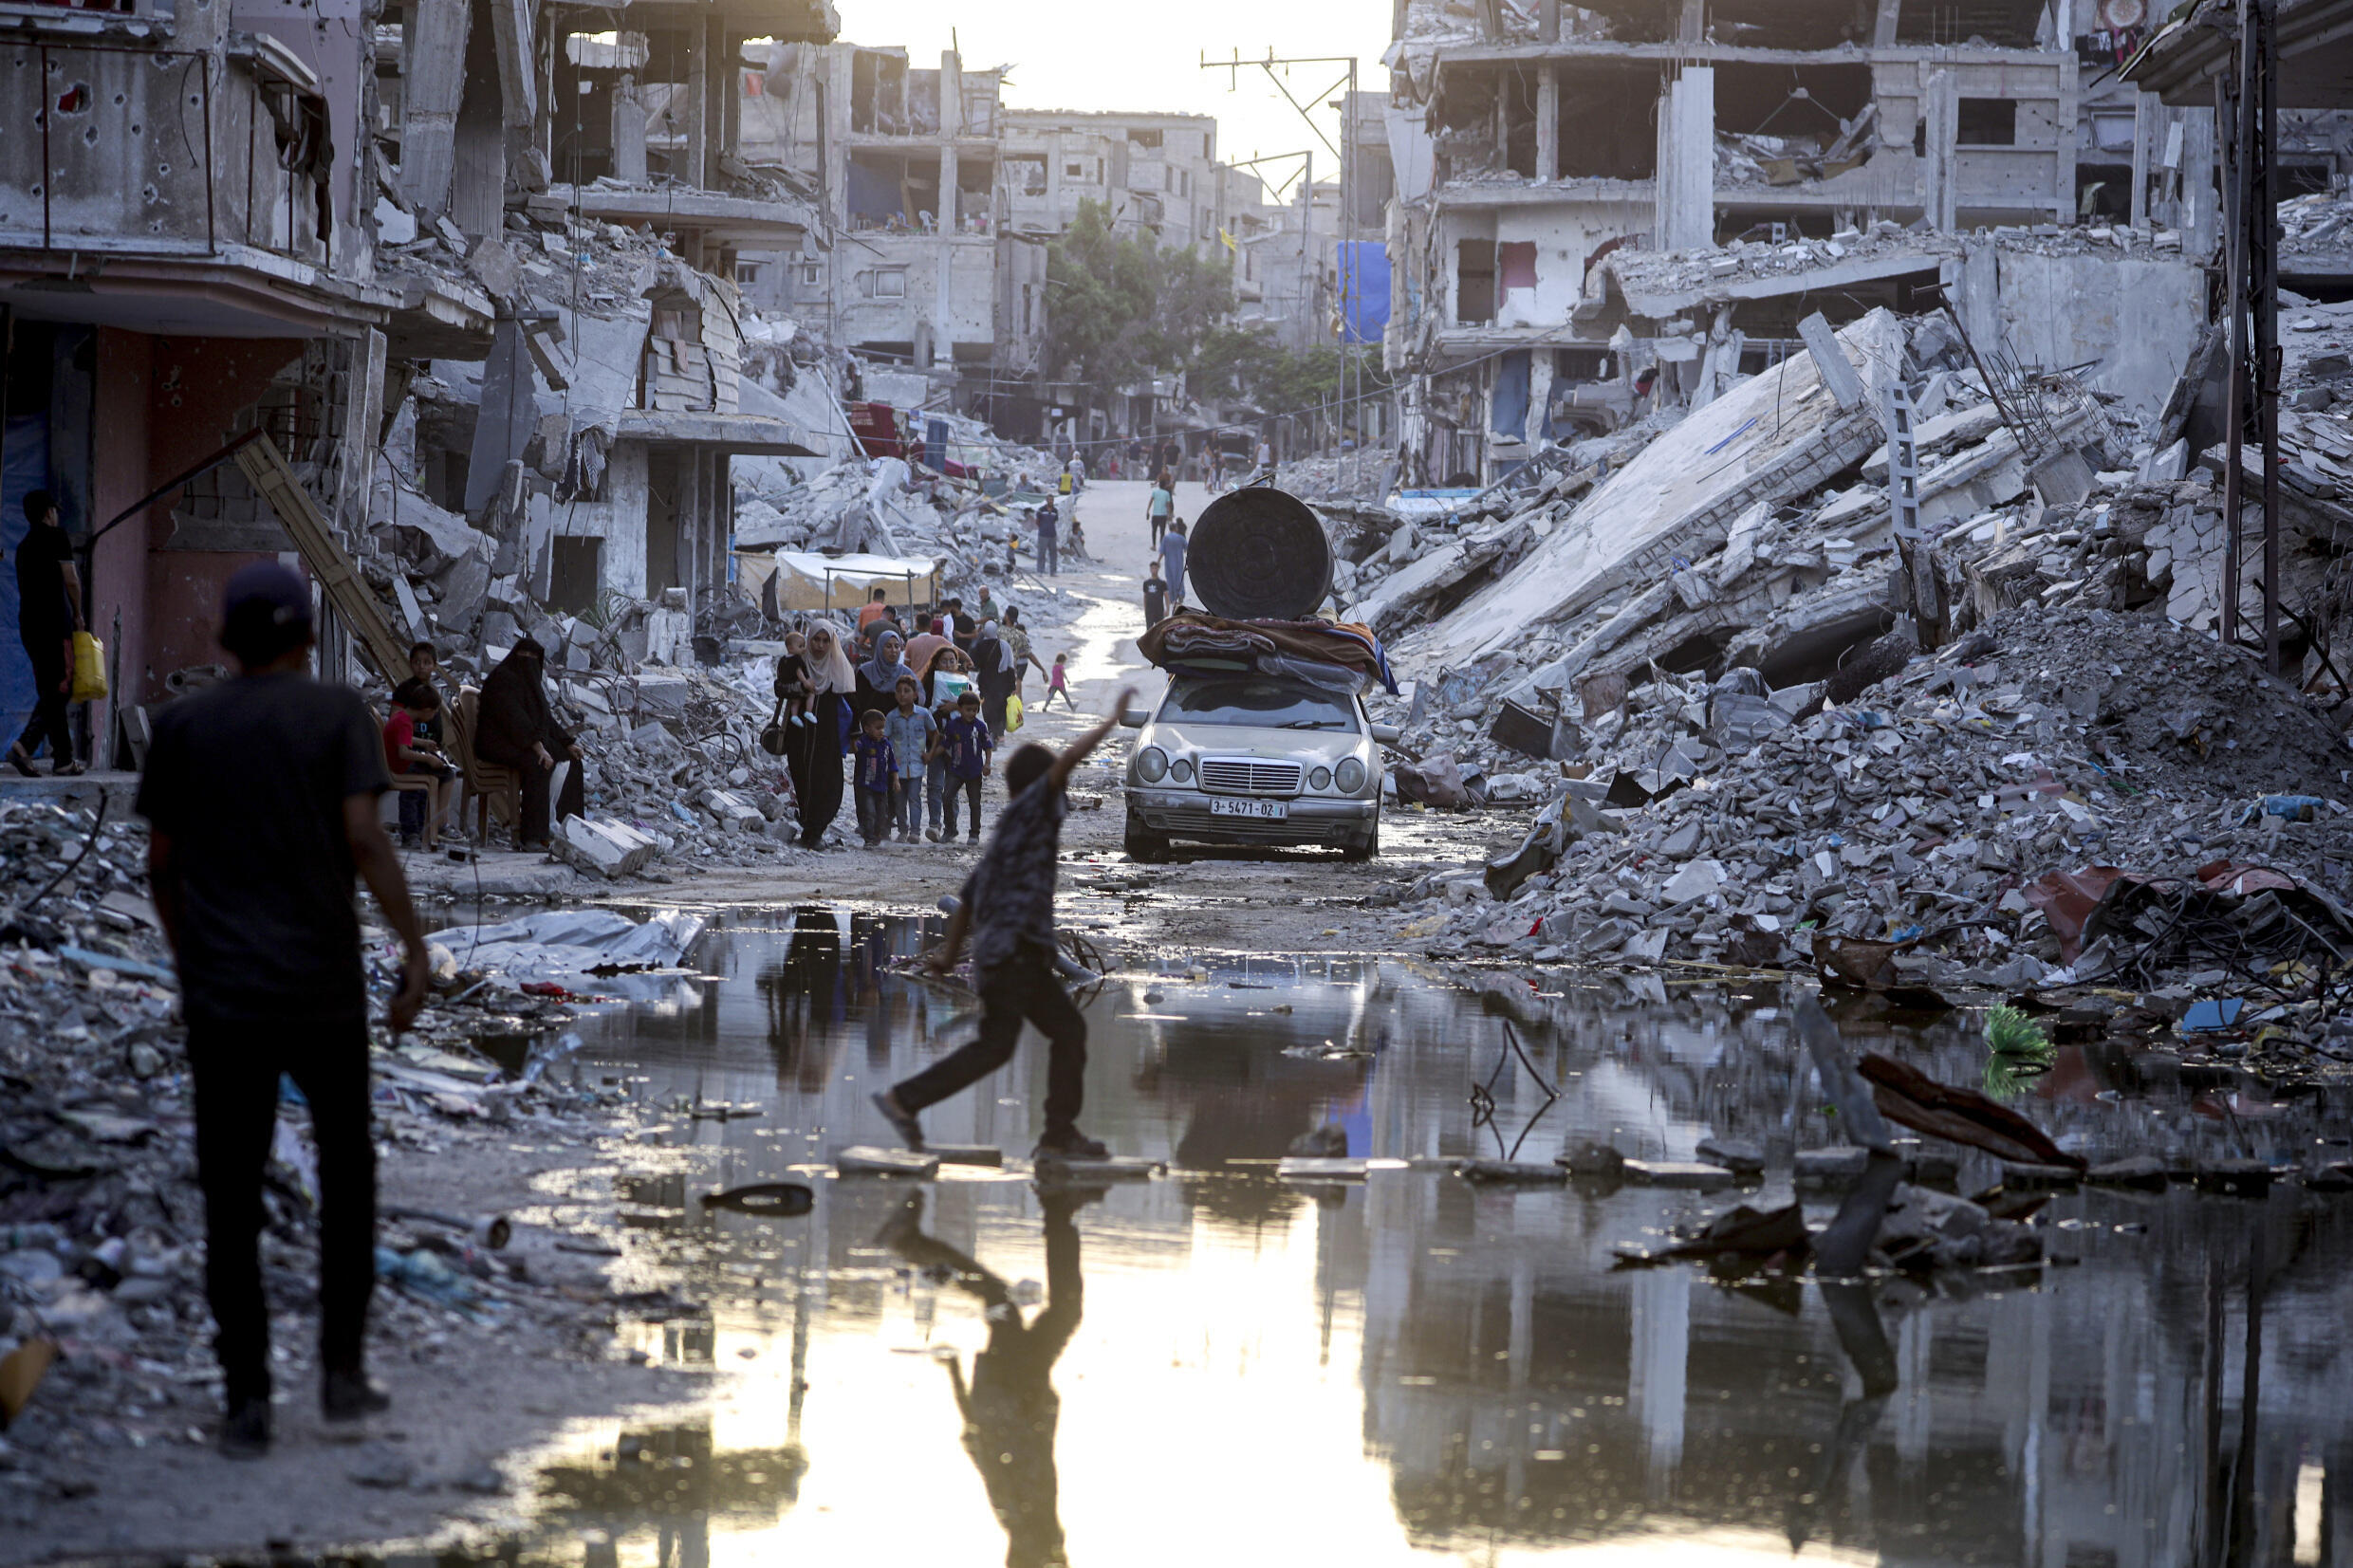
[{"x": 493, "y": 788}]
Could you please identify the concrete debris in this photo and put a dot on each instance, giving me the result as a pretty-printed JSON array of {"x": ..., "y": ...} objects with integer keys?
[
  {"x": 101, "y": 1218},
  {"x": 1916, "y": 814}
]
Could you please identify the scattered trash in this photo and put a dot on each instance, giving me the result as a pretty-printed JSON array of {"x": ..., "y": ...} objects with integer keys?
[{"x": 781, "y": 1199}]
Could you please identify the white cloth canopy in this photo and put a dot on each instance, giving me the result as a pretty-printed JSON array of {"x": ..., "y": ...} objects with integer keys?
[{"x": 808, "y": 581}]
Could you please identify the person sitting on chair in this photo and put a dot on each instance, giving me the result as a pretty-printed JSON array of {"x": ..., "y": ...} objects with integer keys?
[{"x": 518, "y": 730}]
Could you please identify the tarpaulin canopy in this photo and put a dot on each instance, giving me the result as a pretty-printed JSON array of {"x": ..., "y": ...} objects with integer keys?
[{"x": 807, "y": 581}]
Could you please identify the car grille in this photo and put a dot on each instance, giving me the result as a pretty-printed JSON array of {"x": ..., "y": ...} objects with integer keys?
[
  {"x": 1197, "y": 823},
  {"x": 1245, "y": 776}
]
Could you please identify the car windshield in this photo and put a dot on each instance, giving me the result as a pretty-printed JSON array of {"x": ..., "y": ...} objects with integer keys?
[{"x": 1257, "y": 703}]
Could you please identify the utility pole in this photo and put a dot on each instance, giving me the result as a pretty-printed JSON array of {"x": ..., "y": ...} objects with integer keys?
[
  {"x": 2254, "y": 267},
  {"x": 1346, "y": 279}
]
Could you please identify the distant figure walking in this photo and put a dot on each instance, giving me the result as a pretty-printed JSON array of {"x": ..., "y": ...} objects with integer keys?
[
  {"x": 1161, "y": 505},
  {"x": 1173, "y": 560},
  {"x": 48, "y": 613},
  {"x": 1156, "y": 595}
]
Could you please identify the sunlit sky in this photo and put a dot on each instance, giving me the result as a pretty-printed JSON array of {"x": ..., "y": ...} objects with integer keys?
[{"x": 1084, "y": 54}]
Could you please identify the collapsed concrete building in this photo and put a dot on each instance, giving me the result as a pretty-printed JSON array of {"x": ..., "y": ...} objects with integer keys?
[
  {"x": 916, "y": 265},
  {"x": 187, "y": 253},
  {"x": 1541, "y": 151}
]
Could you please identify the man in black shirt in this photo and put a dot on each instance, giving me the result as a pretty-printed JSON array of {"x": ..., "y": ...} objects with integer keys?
[
  {"x": 261, "y": 793},
  {"x": 48, "y": 613}
]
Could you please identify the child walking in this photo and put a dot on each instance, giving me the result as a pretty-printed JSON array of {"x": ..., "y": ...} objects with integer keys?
[
  {"x": 1058, "y": 684},
  {"x": 965, "y": 745},
  {"x": 909, "y": 729},
  {"x": 877, "y": 777},
  {"x": 1007, "y": 912}
]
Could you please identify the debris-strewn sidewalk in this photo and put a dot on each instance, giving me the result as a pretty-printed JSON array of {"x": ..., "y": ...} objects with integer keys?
[{"x": 104, "y": 1337}]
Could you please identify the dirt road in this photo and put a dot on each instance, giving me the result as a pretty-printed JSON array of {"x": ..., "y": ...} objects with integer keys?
[{"x": 1263, "y": 901}]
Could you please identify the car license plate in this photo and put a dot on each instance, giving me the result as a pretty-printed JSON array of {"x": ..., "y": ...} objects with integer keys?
[{"x": 1277, "y": 810}]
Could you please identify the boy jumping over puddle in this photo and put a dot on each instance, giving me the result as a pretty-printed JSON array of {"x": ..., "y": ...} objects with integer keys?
[{"x": 1007, "y": 908}]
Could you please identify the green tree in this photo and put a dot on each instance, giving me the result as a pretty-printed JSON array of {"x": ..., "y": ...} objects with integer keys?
[{"x": 1120, "y": 308}]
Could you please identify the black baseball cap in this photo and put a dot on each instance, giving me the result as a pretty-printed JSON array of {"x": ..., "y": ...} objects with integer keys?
[{"x": 264, "y": 610}]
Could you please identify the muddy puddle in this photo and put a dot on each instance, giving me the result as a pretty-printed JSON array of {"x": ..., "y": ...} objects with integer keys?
[{"x": 1221, "y": 1365}]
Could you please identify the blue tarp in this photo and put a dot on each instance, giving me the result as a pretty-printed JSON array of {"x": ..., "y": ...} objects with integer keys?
[
  {"x": 24, "y": 466},
  {"x": 1363, "y": 291}
]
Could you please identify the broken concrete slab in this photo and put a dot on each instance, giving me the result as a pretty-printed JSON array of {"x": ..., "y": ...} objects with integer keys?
[
  {"x": 1773, "y": 438},
  {"x": 608, "y": 849},
  {"x": 1694, "y": 1174},
  {"x": 870, "y": 1160},
  {"x": 1316, "y": 1168}
]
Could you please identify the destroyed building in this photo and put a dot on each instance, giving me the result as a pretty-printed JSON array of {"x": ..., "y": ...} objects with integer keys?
[
  {"x": 1798, "y": 156},
  {"x": 917, "y": 264},
  {"x": 1158, "y": 174},
  {"x": 187, "y": 252},
  {"x": 583, "y": 446}
]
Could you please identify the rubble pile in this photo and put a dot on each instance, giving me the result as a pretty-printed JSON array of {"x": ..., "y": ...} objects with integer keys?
[
  {"x": 1652, "y": 275},
  {"x": 1922, "y": 807},
  {"x": 100, "y": 1219}
]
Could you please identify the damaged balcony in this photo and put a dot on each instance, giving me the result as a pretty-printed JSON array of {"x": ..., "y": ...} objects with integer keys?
[
  {"x": 657, "y": 145},
  {"x": 168, "y": 173}
]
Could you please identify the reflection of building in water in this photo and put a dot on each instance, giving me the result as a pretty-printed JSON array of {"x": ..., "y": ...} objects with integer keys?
[
  {"x": 665, "y": 1488},
  {"x": 1515, "y": 1390}
]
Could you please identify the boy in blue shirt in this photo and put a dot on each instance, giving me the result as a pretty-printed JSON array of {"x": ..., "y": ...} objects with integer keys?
[
  {"x": 878, "y": 776},
  {"x": 909, "y": 729},
  {"x": 966, "y": 743}
]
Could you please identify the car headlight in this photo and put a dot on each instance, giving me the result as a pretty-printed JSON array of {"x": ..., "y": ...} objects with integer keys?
[
  {"x": 1151, "y": 765},
  {"x": 1351, "y": 776},
  {"x": 1320, "y": 778},
  {"x": 1181, "y": 770}
]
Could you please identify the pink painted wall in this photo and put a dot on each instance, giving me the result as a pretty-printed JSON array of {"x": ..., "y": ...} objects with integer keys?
[{"x": 194, "y": 387}]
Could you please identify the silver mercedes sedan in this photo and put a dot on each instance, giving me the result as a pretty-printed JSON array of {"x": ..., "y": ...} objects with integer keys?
[{"x": 1250, "y": 760}]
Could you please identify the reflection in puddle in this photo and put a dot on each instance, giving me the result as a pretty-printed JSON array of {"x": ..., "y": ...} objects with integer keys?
[{"x": 1411, "y": 1367}]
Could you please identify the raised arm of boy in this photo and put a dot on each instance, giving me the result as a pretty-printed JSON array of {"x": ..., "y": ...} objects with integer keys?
[{"x": 1076, "y": 752}]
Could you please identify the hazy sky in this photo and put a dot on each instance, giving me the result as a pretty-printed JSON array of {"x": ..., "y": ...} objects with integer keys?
[{"x": 1116, "y": 54}]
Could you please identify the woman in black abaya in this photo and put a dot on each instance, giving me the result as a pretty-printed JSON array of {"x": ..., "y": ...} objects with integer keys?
[{"x": 815, "y": 753}]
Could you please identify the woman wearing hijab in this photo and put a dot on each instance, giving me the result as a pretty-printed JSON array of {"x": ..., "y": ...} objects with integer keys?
[
  {"x": 878, "y": 677},
  {"x": 814, "y": 758},
  {"x": 514, "y": 727},
  {"x": 993, "y": 668}
]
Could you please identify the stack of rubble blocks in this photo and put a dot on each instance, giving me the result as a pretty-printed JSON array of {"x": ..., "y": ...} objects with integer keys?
[{"x": 1702, "y": 668}]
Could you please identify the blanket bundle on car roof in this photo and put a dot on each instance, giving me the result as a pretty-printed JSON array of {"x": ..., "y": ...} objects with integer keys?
[{"x": 1336, "y": 654}]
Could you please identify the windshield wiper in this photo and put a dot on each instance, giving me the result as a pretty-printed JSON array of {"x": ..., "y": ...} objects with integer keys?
[{"x": 1312, "y": 724}]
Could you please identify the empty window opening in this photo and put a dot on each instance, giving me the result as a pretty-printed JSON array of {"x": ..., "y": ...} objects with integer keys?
[
  {"x": 1582, "y": 364},
  {"x": 878, "y": 94},
  {"x": 1988, "y": 122},
  {"x": 574, "y": 575},
  {"x": 1608, "y": 126},
  {"x": 1474, "y": 282},
  {"x": 2104, "y": 191},
  {"x": 1027, "y": 175},
  {"x": 1787, "y": 100}
]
